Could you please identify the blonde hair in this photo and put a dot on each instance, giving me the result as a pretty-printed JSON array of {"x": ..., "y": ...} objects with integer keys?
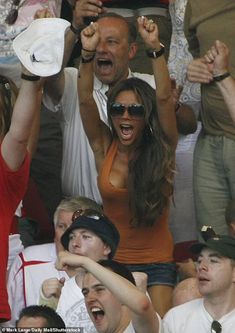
[{"x": 74, "y": 203}]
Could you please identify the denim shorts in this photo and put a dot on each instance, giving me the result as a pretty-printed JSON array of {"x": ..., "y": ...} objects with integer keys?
[{"x": 158, "y": 273}]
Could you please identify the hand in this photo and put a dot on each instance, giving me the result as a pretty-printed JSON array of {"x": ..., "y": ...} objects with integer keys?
[
  {"x": 149, "y": 32},
  {"x": 86, "y": 8},
  {"x": 43, "y": 13},
  {"x": 66, "y": 260},
  {"x": 218, "y": 56},
  {"x": 52, "y": 287},
  {"x": 90, "y": 37},
  {"x": 176, "y": 91},
  {"x": 199, "y": 71}
]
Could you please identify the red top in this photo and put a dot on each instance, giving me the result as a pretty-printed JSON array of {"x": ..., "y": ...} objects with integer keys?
[{"x": 12, "y": 188}]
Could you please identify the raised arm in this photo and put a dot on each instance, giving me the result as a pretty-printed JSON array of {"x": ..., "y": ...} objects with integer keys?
[
  {"x": 218, "y": 55},
  {"x": 54, "y": 86},
  {"x": 144, "y": 318},
  {"x": 14, "y": 144},
  {"x": 97, "y": 132},
  {"x": 149, "y": 32},
  {"x": 199, "y": 71}
]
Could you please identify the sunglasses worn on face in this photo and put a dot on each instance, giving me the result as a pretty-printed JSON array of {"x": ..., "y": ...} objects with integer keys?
[
  {"x": 13, "y": 13},
  {"x": 216, "y": 327},
  {"x": 134, "y": 110},
  {"x": 91, "y": 213}
]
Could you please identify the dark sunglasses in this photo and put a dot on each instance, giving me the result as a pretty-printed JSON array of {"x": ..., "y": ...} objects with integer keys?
[
  {"x": 216, "y": 327},
  {"x": 13, "y": 13},
  {"x": 91, "y": 213},
  {"x": 134, "y": 110}
]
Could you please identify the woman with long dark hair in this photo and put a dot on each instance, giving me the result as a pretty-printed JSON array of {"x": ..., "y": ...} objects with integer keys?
[{"x": 135, "y": 157}]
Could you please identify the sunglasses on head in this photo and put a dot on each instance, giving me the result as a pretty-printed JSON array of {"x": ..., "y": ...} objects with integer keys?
[
  {"x": 91, "y": 213},
  {"x": 216, "y": 327},
  {"x": 134, "y": 110}
]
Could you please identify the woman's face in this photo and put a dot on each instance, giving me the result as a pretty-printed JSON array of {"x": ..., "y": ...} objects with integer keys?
[{"x": 129, "y": 126}]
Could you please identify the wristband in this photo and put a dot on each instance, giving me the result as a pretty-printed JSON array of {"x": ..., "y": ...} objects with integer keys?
[
  {"x": 154, "y": 53},
  {"x": 30, "y": 77},
  {"x": 221, "y": 77},
  {"x": 76, "y": 31}
]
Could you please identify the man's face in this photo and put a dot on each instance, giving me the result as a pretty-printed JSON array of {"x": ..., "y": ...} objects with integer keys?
[
  {"x": 103, "y": 308},
  {"x": 85, "y": 243},
  {"x": 216, "y": 274},
  {"x": 113, "y": 51},
  {"x": 64, "y": 221}
]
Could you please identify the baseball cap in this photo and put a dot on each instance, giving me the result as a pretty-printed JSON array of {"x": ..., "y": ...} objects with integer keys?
[{"x": 225, "y": 245}]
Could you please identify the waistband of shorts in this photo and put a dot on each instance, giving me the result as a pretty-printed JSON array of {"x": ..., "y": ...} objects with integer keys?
[{"x": 125, "y": 12}]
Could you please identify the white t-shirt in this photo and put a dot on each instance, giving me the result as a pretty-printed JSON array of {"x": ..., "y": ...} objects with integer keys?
[
  {"x": 192, "y": 317},
  {"x": 71, "y": 307},
  {"x": 79, "y": 175},
  {"x": 130, "y": 328}
]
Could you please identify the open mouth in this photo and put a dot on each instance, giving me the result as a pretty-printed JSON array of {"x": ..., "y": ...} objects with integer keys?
[
  {"x": 126, "y": 130},
  {"x": 97, "y": 313},
  {"x": 104, "y": 62},
  {"x": 104, "y": 66}
]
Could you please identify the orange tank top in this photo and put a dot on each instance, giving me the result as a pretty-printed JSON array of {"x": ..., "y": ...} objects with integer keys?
[{"x": 138, "y": 245}]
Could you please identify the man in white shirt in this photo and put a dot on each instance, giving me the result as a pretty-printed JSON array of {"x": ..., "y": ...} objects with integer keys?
[
  {"x": 215, "y": 311},
  {"x": 112, "y": 300}
]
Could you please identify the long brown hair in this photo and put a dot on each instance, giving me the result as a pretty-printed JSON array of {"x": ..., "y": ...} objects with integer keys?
[
  {"x": 150, "y": 179},
  {"x": 8, "y": 95}
]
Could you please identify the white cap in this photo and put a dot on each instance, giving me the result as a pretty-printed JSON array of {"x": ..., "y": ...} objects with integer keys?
[{"x": 40, "y": 47}]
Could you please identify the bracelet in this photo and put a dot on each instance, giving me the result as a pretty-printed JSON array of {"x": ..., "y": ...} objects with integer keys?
[
  {"x": 221, "y": 77},
  {"x": 154, "y": 53},
  {"x": 88, "y": 50},
  {"x": 86, "y": 60},
  {"x": 76, "y": 31},
  {"x": 30, "y": 77}
]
